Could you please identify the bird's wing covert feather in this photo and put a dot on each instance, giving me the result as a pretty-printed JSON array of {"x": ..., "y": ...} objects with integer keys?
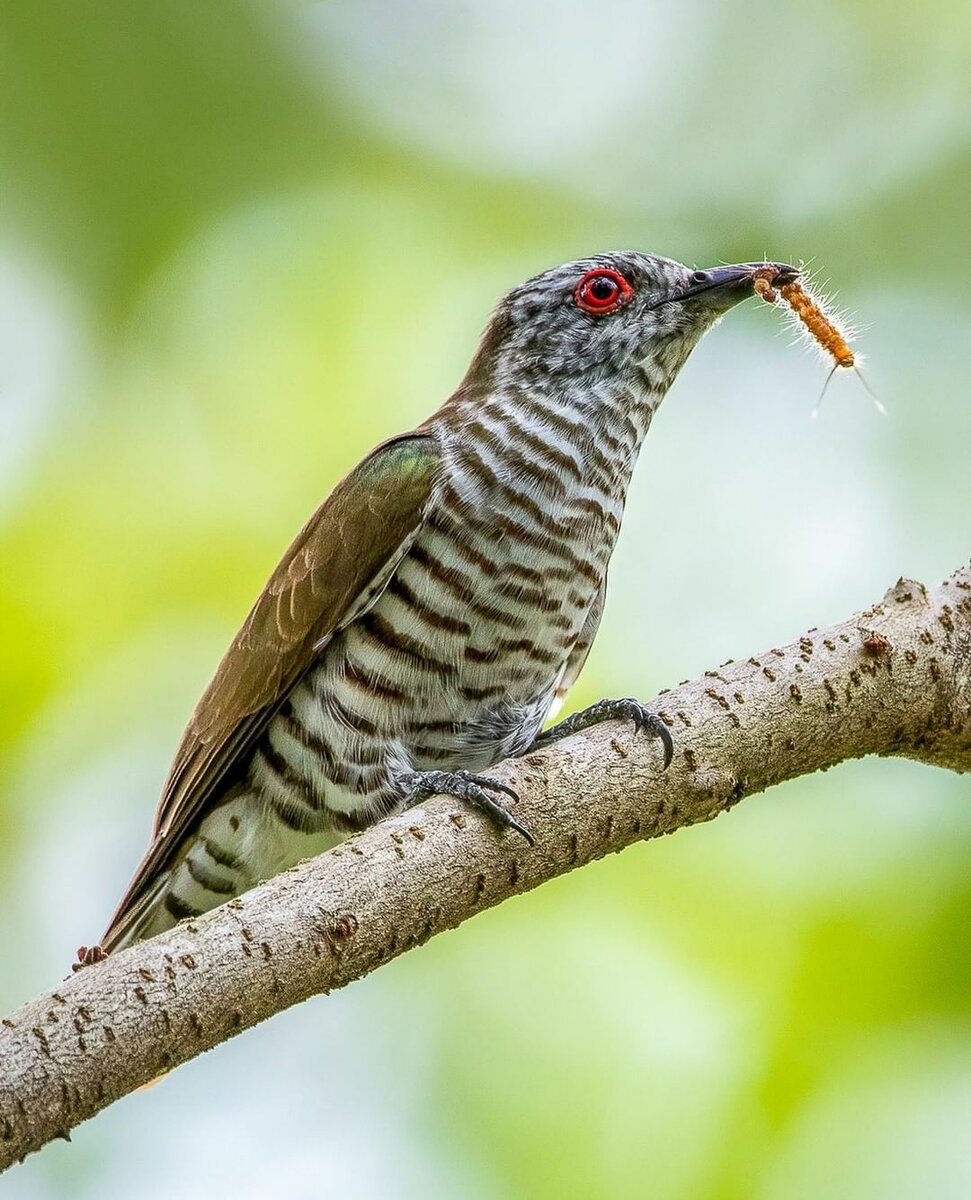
[{"x": 335, "y": 568}]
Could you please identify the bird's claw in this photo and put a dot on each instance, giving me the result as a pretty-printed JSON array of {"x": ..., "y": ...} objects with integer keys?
[
  {"x": 463, "y": 785},
  {"x": 649, "y": 722},
  {"x": 626, "y": 709}
]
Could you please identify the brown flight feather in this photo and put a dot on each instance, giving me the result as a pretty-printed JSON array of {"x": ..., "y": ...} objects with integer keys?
[{"x": 336, "y": 567}]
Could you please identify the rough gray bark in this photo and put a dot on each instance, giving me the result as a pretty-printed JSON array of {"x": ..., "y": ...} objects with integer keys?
[{"x": 894, "y": 680}]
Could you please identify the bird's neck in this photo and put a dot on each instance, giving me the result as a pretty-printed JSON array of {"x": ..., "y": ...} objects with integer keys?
[{"x": 597, "y": 422}]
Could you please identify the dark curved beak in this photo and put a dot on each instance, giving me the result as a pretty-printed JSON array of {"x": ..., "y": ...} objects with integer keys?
[{"x": 728, "y": 285}]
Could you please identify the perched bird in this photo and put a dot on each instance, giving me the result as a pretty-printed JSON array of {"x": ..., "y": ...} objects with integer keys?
[{"x": 441, "y": 601}]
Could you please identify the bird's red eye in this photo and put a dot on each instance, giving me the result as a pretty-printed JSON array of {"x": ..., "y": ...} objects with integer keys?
[{"x": 602, "y": 291}]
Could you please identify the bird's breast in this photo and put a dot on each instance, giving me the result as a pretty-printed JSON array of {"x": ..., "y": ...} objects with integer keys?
[{"x": 457, "y": 661}]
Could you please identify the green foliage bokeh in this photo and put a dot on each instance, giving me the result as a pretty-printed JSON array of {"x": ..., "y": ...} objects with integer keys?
[{"x": 239, "y": 244}]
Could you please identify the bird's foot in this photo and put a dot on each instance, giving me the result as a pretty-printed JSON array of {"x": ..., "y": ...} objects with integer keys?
[
  {"x": 611, "y": 710},
  {"x": 474, "y": 789}
]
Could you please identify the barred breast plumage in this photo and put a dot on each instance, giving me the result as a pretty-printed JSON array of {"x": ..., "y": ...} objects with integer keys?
[{"x": 472, "y": 607}]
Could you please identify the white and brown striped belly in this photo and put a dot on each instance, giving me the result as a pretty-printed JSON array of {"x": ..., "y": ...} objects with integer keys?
[{"x": 455, "y": 665}]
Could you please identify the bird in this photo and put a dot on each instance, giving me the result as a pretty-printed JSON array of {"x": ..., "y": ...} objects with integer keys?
[{"x": 431, "y": 615}]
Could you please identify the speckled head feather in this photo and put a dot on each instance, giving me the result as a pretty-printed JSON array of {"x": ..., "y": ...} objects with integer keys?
[{"x": 539, "y": 334}]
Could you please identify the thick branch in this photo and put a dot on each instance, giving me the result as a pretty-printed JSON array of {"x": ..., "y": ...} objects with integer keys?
[{"x": 893, "y": 680}]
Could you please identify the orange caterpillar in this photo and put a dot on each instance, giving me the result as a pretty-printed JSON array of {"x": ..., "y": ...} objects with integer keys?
[
  {"x": 818, "y": 324},
  {"x": 762, "y": 282},
  {"x": 809, "y": 313},
  {"x": 814, "y": 320}
]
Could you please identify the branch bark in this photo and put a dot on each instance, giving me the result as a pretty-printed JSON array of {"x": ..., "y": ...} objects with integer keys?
[{"x": 894, "y": 680}]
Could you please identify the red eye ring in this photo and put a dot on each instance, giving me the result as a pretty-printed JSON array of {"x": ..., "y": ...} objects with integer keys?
[{"x": 602, "y": 290}]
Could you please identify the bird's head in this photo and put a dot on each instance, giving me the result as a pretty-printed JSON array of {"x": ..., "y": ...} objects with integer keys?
[{"x": 628, "y": 315}]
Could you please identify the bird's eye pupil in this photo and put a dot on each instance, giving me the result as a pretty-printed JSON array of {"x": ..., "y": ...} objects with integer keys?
[
  {"x": 602, "y": 291},
  {"x": 603, "y": 288},
  {"x": 699, "y": 276}
]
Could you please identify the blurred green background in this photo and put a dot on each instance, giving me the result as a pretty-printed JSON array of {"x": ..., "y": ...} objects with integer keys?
[{"x": 241, "y": 243}]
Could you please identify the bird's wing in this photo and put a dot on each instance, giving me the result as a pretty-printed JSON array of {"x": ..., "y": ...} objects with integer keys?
[
  {"x": 335, "y": 569},
  {"x": 578, "y": 655}
]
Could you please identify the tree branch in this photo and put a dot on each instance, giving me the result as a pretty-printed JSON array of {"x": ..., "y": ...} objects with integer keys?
[{"x": 894, "y": 680}]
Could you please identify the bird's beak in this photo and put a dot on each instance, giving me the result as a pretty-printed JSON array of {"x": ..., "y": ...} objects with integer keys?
[{"x": 722, "y": 287}]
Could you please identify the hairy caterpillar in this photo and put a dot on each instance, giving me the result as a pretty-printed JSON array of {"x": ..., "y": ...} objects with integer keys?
[
  {"x": 821, "y": 327},
  {"x": 762, "y": 282},
  {"x": 814, "y": 320}
]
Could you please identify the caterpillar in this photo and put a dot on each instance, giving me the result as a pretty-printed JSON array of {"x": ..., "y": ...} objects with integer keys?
[
  {"x": 762, "y": 282},
  {"x": 821, "y": 327}
]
